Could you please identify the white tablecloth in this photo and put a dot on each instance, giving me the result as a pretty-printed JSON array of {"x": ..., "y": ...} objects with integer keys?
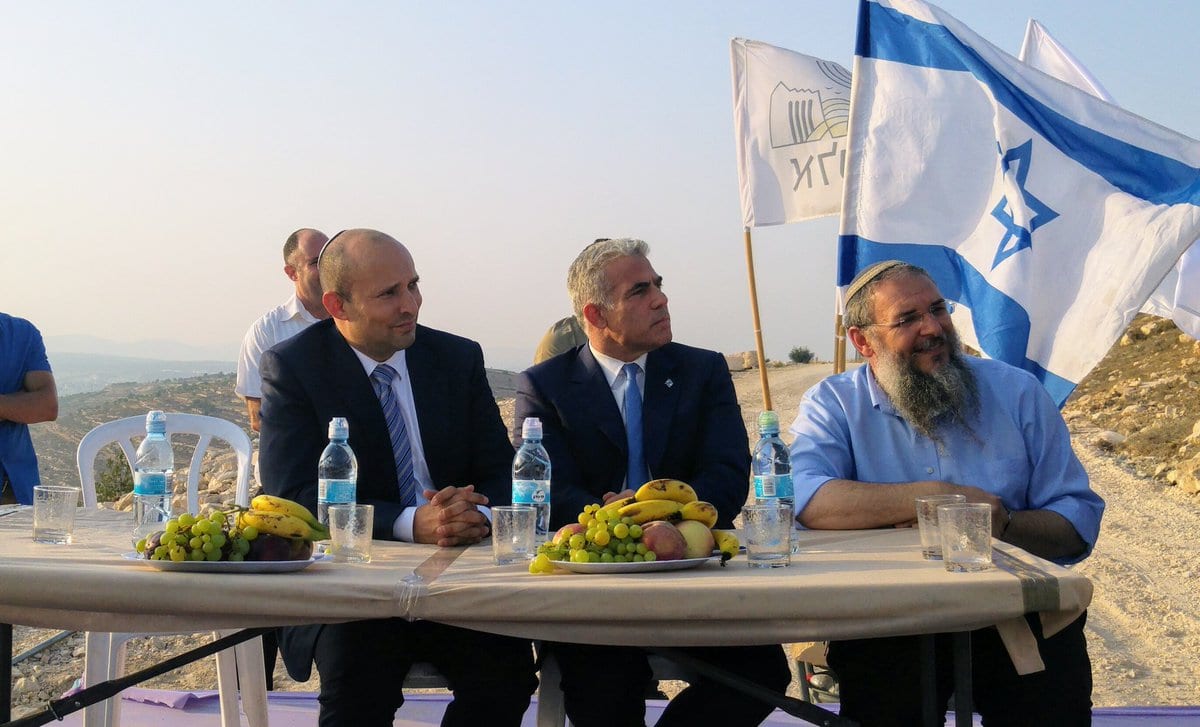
[{"x": 848, "y": 584}]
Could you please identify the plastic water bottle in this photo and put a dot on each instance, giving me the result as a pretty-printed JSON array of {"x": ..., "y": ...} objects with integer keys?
[
  {"x": 337, "y": 470},
  {"x": 771, "y": 465},
  {"x": 531, "y": 476},
  {"x": 153, "y": 478}
]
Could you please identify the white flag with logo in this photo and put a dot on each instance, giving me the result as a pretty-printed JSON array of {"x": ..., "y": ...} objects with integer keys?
[
  {"x": 789, "y": 124},
  {"x": 1047, "y": 213},
  {"x": 1178, "y": 295}
]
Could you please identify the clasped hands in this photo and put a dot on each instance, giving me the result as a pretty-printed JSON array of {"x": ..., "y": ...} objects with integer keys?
[{"x": 451, "y": 517}]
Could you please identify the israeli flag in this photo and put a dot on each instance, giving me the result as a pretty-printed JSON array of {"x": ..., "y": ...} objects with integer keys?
[{"x": 1048, "y": 214}]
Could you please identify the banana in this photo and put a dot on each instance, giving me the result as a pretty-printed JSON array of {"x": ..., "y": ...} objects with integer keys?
[
  {"x": 271, "y": 503},
  {"x": 617, "y": 503},
  {"x": 645, "y": 511},
  {"x": 276, "y": 523},
  {"x": 675, "y": 490},
  {"x": 727, "y": 543},
  {"x": 705, "y": 512}
]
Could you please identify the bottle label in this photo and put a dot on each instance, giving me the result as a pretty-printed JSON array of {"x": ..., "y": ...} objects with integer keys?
[
  {"x": 783, "y": 486},
  {"x": 149, "y": 483},
  {"x": 531, "y": 492},
  {"x": 764, "y": 486},
  {"x": 773, "y": 486},
  {"x": 336, "y": 491}
]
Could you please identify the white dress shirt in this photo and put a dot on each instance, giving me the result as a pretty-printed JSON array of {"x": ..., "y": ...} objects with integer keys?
[{"x": 278, "y": 324}]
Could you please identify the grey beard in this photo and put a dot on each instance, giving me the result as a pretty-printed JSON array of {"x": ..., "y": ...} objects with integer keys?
[{"x": 928, "y": 402}]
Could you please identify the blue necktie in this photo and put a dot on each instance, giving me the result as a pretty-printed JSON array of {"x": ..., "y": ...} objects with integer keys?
[
  {"x": 381, "y": 380},
  {"x": 635, "y": 474}
]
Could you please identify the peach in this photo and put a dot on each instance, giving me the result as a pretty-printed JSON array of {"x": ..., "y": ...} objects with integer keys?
[
  {"x": 698, "y": 537},
  {"x": 566, "y": 531},
  {"x": 664, "y": 539}
]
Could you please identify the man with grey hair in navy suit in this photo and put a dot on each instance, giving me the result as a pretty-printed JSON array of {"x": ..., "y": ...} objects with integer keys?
[{"x": 628, "y": 406}]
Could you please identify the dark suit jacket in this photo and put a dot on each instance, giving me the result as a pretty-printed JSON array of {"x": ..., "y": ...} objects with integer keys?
[
  {"x": 315, "y": 376},
  {"x": 692, "y": 427}
]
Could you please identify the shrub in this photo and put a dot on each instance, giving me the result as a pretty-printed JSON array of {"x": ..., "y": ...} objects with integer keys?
[
  {"x": 113, "y": 479},
  {"x": 801, "y": 355}
]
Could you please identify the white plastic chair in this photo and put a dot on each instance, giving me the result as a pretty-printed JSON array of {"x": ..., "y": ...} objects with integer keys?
[{"x": 106, "y": 651}]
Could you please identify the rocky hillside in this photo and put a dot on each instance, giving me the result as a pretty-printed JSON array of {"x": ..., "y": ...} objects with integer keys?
[
  {"x": 56, "y": 442},
  {"x": 1144, "y": 397}
]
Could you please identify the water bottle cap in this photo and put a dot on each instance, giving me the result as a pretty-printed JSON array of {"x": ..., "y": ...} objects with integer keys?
[
  {"x": 768, "y": 421},
  {"x": 531, "y": 428},
  {"x": 156, "y": 422},
  {"x": 339, "y": 428}
]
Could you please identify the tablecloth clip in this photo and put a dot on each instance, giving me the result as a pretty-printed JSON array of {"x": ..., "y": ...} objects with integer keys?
[
  {"x": 412, "y": 586},
  {"x": 408, "y": 591}
]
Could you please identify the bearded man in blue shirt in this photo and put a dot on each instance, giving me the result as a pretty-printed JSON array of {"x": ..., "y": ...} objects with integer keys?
[{"x": 921, "y": 418}]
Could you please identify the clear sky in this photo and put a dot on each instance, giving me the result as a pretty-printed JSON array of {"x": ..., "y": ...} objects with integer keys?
[{"x": 156, "y": 155}]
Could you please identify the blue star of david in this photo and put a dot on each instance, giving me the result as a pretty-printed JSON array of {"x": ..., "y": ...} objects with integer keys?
[{"x": 1017, "y": 237}]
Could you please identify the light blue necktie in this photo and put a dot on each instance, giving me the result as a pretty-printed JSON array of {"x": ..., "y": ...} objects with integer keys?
[
  {"x": 635, "y": 474},
  {"x": 381, "y": 380}
]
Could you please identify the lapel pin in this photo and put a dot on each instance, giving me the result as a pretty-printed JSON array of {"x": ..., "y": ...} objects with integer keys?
[{"x": 669, "y": 383}]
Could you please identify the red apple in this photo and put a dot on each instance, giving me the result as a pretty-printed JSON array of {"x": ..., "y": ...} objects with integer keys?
[
  {"x": 301, "y": 549},
  {"x": 270, "y": 547},
  {"x": 698, "y": 537},
  {"x": 664, "y": 539}
]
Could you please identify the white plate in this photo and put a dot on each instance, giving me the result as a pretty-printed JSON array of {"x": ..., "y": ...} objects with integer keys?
[
  {"x": 643, "y": 567},
  {"x": 226, "y": 566}
]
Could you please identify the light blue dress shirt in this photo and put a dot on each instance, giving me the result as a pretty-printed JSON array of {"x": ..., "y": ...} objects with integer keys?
[{"x": 1019, "y": 449}]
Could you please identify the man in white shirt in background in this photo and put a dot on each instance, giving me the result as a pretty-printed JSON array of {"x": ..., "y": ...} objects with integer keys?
[
  {"x": 298, "y": 312},
  {"x": 302, "y": 309}
]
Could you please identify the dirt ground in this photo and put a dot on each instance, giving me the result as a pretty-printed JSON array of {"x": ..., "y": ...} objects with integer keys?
[{"x": 1144, "y": 622}]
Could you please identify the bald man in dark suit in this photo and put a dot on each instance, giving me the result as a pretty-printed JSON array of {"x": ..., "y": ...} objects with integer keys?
[{"x": 432, "y": 453}]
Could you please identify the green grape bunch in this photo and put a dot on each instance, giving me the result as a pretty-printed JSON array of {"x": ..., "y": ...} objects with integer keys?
[
  {"x": 212, "y": 536},
  {"x": 605, "y": 537}
]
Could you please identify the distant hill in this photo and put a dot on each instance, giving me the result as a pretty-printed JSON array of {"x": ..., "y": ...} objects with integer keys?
[
  {"x": 159, "y": 349},
  {"x": 75, "y": 373}
]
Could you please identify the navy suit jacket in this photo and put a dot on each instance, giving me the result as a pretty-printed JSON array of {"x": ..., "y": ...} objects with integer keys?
[
  {"x": 315, "y": 376},
  {"x": 692, "y": 428}
]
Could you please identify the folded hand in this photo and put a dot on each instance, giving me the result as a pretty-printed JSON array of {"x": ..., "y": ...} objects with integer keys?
[{"x": 451, "y": 517}]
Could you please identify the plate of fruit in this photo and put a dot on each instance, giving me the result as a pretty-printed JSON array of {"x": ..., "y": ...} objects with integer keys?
[
  {"x": 636, "y": 566},
  {"x": 662, "y": 527},
  {"x": 273, "y": 535}
]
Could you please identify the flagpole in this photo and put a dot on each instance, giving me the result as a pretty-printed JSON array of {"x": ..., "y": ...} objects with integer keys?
[
  {"x": 839, "y": 344},
  {"x": 839, "y": 335},
  {"x": 758, "y": 342}
]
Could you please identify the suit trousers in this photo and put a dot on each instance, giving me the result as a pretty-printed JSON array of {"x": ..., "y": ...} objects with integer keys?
[
  {"x": 605, "y": 686},
  {"x": 880, "y": 682},
  {"x": 362, "y": 666}
]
